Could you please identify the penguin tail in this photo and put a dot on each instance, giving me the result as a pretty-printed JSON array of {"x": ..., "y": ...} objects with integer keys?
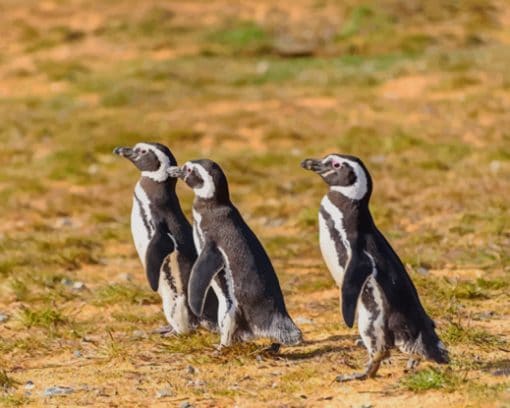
[
  {"x": 285, "y": 331},
  {"x": 434, "y": 349}
]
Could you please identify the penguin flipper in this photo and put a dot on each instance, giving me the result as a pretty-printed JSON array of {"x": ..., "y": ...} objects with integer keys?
[
  {"x": 208, "y": 264},
  {"x": 159, "y": 247},
  {"x": 359, "y": 269}
]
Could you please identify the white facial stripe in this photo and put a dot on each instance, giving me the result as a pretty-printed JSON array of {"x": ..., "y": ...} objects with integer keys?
[
  {"x": 358, "y": 190},
  {"x": 160, "y": 174},
  {"x": 326, "y": 174},
  {"x": 207, "y": 189}
]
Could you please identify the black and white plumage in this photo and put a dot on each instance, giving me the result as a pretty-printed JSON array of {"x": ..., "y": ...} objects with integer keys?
[
  {"x": 371, "y": 276},
  {"x": 233, "y": 262},
  {"x": 163, "y": 236}
]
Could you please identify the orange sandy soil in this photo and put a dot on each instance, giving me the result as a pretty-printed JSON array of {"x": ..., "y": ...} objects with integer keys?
[{"x": 419, "y": 90}]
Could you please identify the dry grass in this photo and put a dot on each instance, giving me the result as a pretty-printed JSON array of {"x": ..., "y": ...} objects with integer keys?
[{"x": 418, "y": 89}]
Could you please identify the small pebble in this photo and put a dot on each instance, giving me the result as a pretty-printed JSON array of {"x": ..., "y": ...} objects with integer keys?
[
  {"x": 139, "y": 334},
  {"x": 67, "y": 282},
  {"x": 125, "y": 277},
  {"x": 262, "y": 67},
  {"x": 3, "y": 318},
  {"x": 78, "y": 286},
  {"x": 57, "y": 390},
  {"x": 93, "y": 169},
  {"x": 486, "y": 315},
  {"x": 77, "y": 353},
  {"x": 303, "y": 320},
  {"x": 494, "y": 166},
  {"x": 422, "y": 271},
  {"x": 29, "y": 385},
  {"x": 259, "y": 358},
  {"x": 186, "y": 404},
  {"x": 64, "y": 222},
  {"x": 164, "y": 393}
]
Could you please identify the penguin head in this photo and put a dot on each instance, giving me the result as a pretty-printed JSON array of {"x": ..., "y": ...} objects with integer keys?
[
  {"x": 205, "y": 177},
  {"x": 343, "y": 173},
  {"x": 152, "y": 159}
]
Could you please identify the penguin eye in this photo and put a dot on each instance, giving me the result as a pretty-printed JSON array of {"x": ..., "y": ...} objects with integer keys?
[
  {"x": 143, "y": 151},
  {"x": 336, "y": 165},
  {"x": 188, "y": 169}
]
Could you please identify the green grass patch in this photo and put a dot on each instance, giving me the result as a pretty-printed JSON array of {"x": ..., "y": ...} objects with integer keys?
[
  {"x": 13, "y": 400},
  {"x": 19, "y": 289},
  {"x": 153, "y": 28},
  {"x": 431, "y": 378},
  {"x": 493, "y": 284},
  {"x": 313, "y": 283},
  {"x": 6, "y": 382},
  {"x": 468, "y": 290},
  {"x": 62, "y": 70},
  {"x": 48, "y": 318},
  {"x": 136, "y": 317},
  {"x": 455, "y": 333},
  {"x": 56, "y": 35},
  {"x": 191, "y": 343},
  {"x": 245, "y": 38},
  {"x": 125, "y": 293}
]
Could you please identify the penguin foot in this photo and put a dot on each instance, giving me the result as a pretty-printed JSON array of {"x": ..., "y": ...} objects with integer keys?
[
  {"x": 388, "y": 361},
  {"x": 412, "y": 365},
  {"x": 165, "y": 331},
  {"x": 208, "y": 325},
  {"x": 274, "y": 348},
  {"x": 351, "y": 377},
  {"x": 219, "y": 348},
  {"x": 359, "y": 342}
]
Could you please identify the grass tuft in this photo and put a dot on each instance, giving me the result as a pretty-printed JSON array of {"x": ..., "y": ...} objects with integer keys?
[
  {"x": 47, "y": 318},
  {"x": 6, "y": 382},
  {"x": 129, "y": 293},
  {"x": 431, "y": 378},
  {"x": 13, "y": 400},
  {"x": 455, "y": 333}
]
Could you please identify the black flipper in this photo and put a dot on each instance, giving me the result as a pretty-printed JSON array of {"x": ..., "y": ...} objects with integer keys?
[
  {"x": 209, "y": 263},
  {"x": 358, "y": 270},
  {"x": 159, "y": 247}
]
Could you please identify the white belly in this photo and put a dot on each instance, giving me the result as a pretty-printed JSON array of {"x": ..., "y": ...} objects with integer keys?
[
  {"x": 198, "y": 235},
  {"x": 142, "y": 230},
  {"x": 329, "y": 253},
  {"x": 327, "y": 244}
]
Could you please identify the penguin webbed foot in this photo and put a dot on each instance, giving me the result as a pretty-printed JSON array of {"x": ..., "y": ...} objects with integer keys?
[
  {"x": 274, "y": 348},
  {"x": 370, "y": 372},
  {"x": 372, "y": 367},
  {"x": 412, "y": 365},
  {"x": 165, "y": 331},
  {"x": 351, "y": 377},
  {"x": 359, "y": 342}
]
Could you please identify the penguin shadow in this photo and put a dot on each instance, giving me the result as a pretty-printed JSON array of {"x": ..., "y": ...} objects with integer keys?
[
  {"x": 498, "y": 368},
  {"x": 352, "y": 338},
  {"x": 321, "y": 348}
]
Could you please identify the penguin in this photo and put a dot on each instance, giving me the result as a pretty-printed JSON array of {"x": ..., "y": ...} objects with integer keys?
[
  {"x": 163, "y": 237},
  {"x": 233, "y": 262},
  {"x": 371, "y": 276}
]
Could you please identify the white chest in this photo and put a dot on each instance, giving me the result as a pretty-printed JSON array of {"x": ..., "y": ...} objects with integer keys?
[
  {"x": 142, "y": 226},
  {"x": 329, "y": 237},
  {"x": 198, "y": 235}
]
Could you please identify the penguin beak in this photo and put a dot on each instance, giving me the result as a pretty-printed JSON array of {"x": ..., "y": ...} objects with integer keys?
[
  {"x": 175, "y": 172},
  {"x": 314, "y": 165},
  {"x": 126, "y": 152}
]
